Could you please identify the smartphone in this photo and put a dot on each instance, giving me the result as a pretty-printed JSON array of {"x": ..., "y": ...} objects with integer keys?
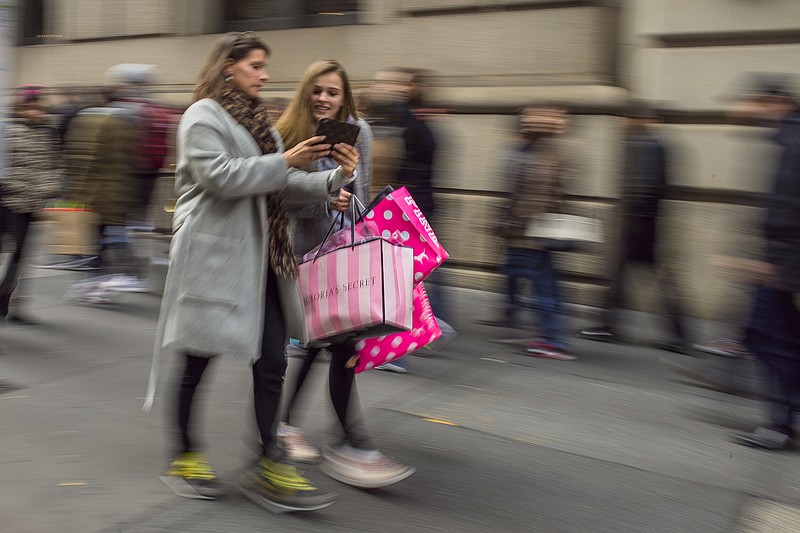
[{"x": 336, "y": 131}]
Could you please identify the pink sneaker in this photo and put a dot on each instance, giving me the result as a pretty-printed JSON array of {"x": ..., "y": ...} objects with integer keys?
[
  {"x": 296, "y": 444},
  {"x": 548, "y": 351},
  {"x": 360, "y": 468}
]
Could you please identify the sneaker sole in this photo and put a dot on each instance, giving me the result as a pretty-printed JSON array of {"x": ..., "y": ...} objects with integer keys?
[
  {"x": 493, "y": 324},
  {"x": 366, "y": 484},
  {"x": 279, "y": 508},
  {"x": 550, "y": 355},
  {"x": 127, "y": 290},
  {"x": 744, "y": 440},
  {"x": 596, "y": 337},
  {"x": 512, "y": 340},
  {"x": 183, "y": 489},
  {"x": 395, "y": 370},
  {"x": 719, "y": 352}
]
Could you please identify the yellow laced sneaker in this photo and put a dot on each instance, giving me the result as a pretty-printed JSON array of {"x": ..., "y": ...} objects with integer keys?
[
  {"x": 190, "y": 475},
  {"x": 278, "y": 487}
]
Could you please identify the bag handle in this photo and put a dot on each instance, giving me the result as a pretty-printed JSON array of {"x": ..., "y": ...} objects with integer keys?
[
  {"x": 355, "y": 214},
  {"x": 386, "y": 191}
]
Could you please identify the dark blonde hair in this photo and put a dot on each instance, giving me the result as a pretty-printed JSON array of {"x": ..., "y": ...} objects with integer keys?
[
  {"x": 297, "y": 123},
  {"x": 233, "y": 46}
]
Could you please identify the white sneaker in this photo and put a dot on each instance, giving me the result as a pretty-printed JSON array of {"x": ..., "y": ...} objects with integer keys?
[
  {"x": 296, "y": 445},
  {"x": 367, "y": 469},
  {"x": 90, "y": 291},
  {"x": 98, "y": 296},
  {"x": 392, "y": 367},
  {"x": 125, "y": 283}
]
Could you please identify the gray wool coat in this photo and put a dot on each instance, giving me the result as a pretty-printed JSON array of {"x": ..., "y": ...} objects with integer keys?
[{"x": 213, "y": 300}]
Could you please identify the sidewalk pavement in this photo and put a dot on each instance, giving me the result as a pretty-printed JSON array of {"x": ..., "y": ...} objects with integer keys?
[{"x": 612, "y": 442}]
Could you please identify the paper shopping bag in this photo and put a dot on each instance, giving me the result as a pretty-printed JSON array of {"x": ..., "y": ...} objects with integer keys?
[
  {"x": 70, "y": 230},
  {"x": 363, "y": 289},
  {"x": 398, "y": 217},
  {"x": 386, "y": 348}
]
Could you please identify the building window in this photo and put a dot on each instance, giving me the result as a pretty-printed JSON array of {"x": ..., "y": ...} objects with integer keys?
[
  {"x": 31, "y": 22},
  {"x": 243, "y": 15}
]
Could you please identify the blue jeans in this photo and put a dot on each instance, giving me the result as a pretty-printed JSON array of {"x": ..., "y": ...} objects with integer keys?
[
  {"x": 774, "y": 337},
  {"x": 537, "y": 266}
]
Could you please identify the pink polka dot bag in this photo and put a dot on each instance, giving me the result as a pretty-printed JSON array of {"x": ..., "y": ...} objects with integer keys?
[
  {"x": 379, "y": 350},
  {"x": 398, "y": 218}
]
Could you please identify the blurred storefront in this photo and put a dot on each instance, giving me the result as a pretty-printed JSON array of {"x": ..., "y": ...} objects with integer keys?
[{"x": 490, "y": 58}]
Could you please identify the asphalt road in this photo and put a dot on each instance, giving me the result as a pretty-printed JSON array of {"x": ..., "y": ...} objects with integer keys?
[{"x": 612, "y": 442}]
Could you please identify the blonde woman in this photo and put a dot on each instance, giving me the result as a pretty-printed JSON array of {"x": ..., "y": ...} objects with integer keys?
[
  {"x": 325, "y": 92},
  {"x": 229, "y": 250}
]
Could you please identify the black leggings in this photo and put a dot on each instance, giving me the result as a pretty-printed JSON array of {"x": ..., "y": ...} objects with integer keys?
[
  {"x": 343, "y": 393},
  {"x": 268, "y": 374},
  {"x": 13, "y": 228}
]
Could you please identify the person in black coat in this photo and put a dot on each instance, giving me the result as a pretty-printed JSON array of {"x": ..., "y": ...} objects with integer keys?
[
  {"x": 773, "y": 334},
  {"x": 644, "y": 186},
  {"x": 416, "y": 168},
  {"x": 410, "y": 114}
]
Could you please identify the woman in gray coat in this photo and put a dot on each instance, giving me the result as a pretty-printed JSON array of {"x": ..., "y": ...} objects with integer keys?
[{"x": 229, "y": 252}]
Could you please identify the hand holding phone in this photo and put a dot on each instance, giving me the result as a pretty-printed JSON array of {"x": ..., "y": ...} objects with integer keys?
[{"x": 337, "y": 131}]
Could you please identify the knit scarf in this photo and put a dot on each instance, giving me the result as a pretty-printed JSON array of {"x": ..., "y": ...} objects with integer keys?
[{"x": 252, "y": 113}]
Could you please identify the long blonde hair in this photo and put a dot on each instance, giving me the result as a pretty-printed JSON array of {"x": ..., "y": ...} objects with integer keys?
[
  {"x": 233, "y": 46},
  {"x": 297, "y": 122}
]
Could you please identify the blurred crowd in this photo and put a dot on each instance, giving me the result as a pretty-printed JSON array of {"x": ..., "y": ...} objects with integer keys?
[{"x": 89, "y": 166}]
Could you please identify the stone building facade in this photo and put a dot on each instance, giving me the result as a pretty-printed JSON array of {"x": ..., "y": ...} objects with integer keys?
[{"x": 491, "y": 57}]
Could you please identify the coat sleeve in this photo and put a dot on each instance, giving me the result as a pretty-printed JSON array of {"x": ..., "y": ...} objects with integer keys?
[
  {"x": 305, "y": 186},
  {"x": 205, "y": 140}
]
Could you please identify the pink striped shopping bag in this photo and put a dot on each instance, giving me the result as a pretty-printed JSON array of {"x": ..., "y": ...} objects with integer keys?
[{"x": 361, "y": 290}]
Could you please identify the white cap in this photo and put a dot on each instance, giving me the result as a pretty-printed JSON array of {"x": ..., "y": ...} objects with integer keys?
[{"x": 132, "y": 74}]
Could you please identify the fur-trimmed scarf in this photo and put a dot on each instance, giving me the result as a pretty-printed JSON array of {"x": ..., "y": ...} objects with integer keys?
[{"x": 252, "y": 113}]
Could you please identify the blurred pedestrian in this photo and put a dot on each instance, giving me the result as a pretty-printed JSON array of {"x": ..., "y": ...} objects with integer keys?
[
  {"x": 128, "y": 87},
  {"x": 325, "y": 92},
  {"x": 644, "y": 186},
  {"x": 230, "y": 251},
  {"x": 773, "y": 334},
  {"x": 66, "y": 110},
  {"x": 416, "y": 167},
  {"x": 535, "y": 171},
  {"x": 381, "y": 109},
  {"x": 408, "y": 87},
  {"x": 753, "y": 92},
  {"x": 33, "y": 175},
  {"x": 102, "y": 166}
]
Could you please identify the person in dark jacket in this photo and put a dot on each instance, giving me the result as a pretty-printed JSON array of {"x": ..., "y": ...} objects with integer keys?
[
  {"x": 535, "y": 172},
  {"x": 33, "y": 175},
  {"x": 101, "y": 163},
  {"x": 645, "y": 180},
  {"x": 773, "y": 334},
  {"x": 416, "y": 168}
]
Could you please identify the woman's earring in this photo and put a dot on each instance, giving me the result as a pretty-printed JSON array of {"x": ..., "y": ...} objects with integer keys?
[{"x": 228, "y": 76}]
